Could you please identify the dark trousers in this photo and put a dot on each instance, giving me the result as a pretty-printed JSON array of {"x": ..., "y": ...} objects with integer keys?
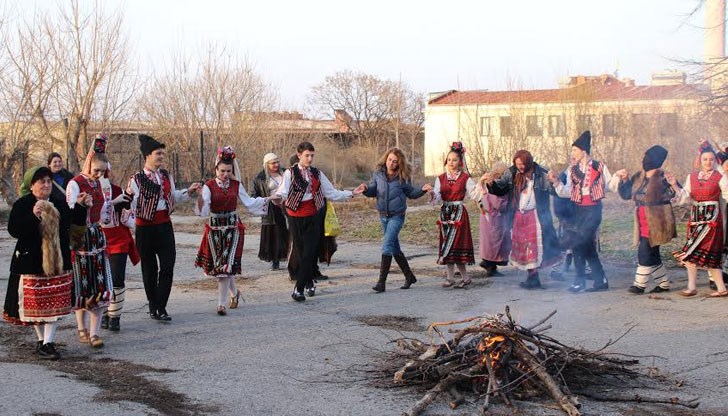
[
  {"x": 294, "y": 259},
  {"x": 306, "y": 234},
  {"x": 157, "y": 242},
  {"x": 587, "y": 221},
  {"x": 646, "y": 255},
  {"x": 118, "y": 269}
]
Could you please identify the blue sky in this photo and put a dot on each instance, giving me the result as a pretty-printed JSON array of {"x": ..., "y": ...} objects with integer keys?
[{"x": 432, "y": 45}]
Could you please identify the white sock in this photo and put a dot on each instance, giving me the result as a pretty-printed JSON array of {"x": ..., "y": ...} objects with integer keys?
[
  {"x": 49, "y": 332},
  {"x": 117, "y": 302},
  {"x": 659, "y": 276},
  {"x": 81, "y": 320},
  {"x": 95, "y": 324},
  {"x": 223, "y": 286},
  {"x": 642, "y": 276},
  {"x": 39, "y": 331}
]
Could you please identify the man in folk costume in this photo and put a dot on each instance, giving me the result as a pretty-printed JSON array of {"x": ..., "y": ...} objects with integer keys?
[
  {"x": 221, "y": 249},
  {"x": 586, "y": 185},
  {"x": 304, "y": 188},
  {"x": 534, "y": 243},
  {"x": 654, "y": 220},
  {"x": 154, "y": 199}
]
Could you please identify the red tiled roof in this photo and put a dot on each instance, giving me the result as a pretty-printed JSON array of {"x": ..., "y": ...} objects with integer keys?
[{"x": 582, "y": 93}]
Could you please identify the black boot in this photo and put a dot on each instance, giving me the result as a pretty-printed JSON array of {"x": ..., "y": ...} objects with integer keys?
[
  {"x": 105, "y": 322},
  {"x": 114, "y": 324},
  {"x": 532, "y": 281},
  {"x": 409, "y": 277},
  {"x": 383, "y": 272},
  {"x": 276, "y": 265},
  {"x": 600, "y": 283}
]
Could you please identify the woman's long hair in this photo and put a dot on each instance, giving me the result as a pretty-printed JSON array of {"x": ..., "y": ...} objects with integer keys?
[{"x": 405, "y": 169}]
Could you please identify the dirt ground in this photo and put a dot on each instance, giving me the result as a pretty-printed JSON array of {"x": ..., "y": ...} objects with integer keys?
[{"x": 273, "y": 356}]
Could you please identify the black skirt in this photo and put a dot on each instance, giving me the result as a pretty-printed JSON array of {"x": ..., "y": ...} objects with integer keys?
[{"x": 274, "y": 237}]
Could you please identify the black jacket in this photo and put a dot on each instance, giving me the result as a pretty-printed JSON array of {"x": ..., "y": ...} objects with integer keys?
[
  {"x": 260, "y": 189},
  {"x": 23, "y": 225},
  {"x": 542, "y": 190}
]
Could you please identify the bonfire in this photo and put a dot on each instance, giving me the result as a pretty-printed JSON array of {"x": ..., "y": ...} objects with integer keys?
[{"x": 493, "y": 358}]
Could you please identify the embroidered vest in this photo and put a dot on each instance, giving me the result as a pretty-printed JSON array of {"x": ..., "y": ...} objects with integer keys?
[
  {"x": 709, "y": 190},
  {"x": 453, "y": 191},
  {"x": 97, "y": 193},
  {"x": 299, "y": 186},
  {"x": 223, "y": 200},
  {"x": 596, "y": 182},
  {"x": 149, "y": 194}
]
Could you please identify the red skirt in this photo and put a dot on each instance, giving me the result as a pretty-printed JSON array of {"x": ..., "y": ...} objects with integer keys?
[
  {"x": 42, "y": 299},
  {"x": 221, "y": 248},
  {"x": 456, "y": 241},
  {"x": 120, "y": 241},
  {"x": 704, "y": 245},
  {"x": 526, "y": 244}
]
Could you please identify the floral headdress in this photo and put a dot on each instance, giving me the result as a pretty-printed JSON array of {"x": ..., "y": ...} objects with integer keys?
[{"x": 226, "y": 154}]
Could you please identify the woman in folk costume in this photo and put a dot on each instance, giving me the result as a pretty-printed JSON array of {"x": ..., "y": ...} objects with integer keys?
[
  {"x": 119, "y": 244},
  {"x": 391, "y": 184},
  {"x": 495, "y": 239},
  {"x": 704, "y": 246},
  {"x": 222, "y": 242},
  {"x": 93, "y": 284},
  {"x": 40, "y": 282},
  {"x": 654, "y": 220},
  {"x": 534, "y": 244},
  {"x": 273, "y": 230},
  {"x": 456, "y": 241}
]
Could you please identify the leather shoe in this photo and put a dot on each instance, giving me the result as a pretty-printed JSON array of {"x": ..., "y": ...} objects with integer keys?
[
  {"x": 598, "y": 286},
  {"x": 321, "y": 277},
  {"x": 577, "y": 286},
  {"x": 163, "y": 315},
  {"x": 114, "y": 324},
  {"x": 637, "y": 290},
  {"x": 298, "y": 296},
  {"x": 659, "y": 289},
  {"x": 48, "y": 352}
]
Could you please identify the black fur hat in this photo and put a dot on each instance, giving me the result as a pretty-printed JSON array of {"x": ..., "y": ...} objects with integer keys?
[
  {"x": 147, "y": 144},
  {"x": 584, "y": 141},
  {"x": 654, "y": 157}
]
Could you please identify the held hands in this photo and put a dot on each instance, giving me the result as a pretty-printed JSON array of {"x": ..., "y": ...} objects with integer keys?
[
  {"x": 486, "y": 179},
  {"x": 553, "y": 177},
  {"x": 275, "y": 199},
  {"x": 194, "y": 188},
  {"x": 622, "y": 174},
  {"x": 670, "y": 178},
  {"x": 122, "y": 199},
  {"x": 427, "y": 187},
  {"x": 359, "y": 189}
]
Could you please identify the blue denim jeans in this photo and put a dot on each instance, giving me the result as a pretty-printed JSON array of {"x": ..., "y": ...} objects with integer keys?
[{"x": 391, "y": 227}]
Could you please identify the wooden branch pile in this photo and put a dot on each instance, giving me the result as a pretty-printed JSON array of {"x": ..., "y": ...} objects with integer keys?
[{"x": 494, "y": 358}]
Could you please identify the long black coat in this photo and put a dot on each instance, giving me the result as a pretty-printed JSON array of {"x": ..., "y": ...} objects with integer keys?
[
  {"x": 23, "y": 225},
  {"x": 542, "y": 190}
]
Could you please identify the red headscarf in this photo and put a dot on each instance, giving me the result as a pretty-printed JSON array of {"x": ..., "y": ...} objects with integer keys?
[{"x": 519, "y": 182}]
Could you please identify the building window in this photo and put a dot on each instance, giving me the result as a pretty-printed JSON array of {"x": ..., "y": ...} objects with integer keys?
[
  {"x": 534, "y": 126},
  {"x": 557, "y": 126},
  {"x": 609, "y": 125},
  {"x": 643, "y": 125},
  {"x": 506, "y": 126},
  {"x": 667, "y": 123},
  {"x": 486, "y": 126},
  {"x": 584, "y": 122}
]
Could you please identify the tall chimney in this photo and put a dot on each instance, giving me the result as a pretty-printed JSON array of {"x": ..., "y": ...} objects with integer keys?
[{"x": 714, "y": 30}]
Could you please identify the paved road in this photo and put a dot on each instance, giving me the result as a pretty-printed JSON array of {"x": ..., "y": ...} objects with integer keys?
[{"x": 273, "y": 356}]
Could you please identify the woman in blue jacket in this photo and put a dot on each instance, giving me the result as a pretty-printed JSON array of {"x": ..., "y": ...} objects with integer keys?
[{"x": 391, "y": 183}]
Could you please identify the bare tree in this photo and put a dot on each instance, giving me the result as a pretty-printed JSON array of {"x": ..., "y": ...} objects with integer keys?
[{"x": 214, "y": 92}]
